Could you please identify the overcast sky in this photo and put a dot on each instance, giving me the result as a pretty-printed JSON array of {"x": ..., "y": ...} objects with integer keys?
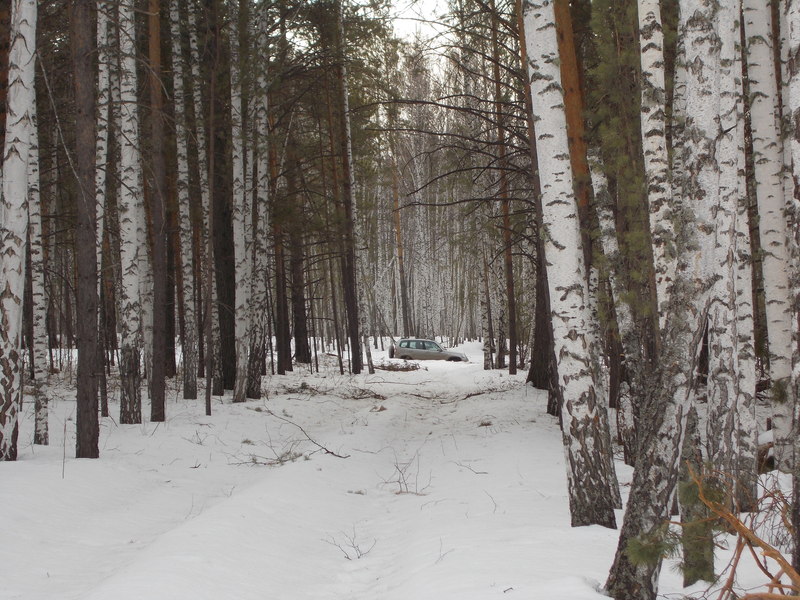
[{"x": 411, "y": 13}]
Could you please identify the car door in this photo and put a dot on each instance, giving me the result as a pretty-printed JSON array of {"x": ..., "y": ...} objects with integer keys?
[
  {"x": 435, "y": 351},
  {"x": 418, "y": 351}
]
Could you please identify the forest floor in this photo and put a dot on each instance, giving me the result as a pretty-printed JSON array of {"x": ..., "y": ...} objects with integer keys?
[{"x": 447, "y": 482}]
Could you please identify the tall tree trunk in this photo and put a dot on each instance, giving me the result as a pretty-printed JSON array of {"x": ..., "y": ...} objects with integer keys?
[
  {"x": 573, "y": 112},
  {"x": 654, "y": 142},
  {"x": 83, "y": 48},
  {"x": 541, "y": 373},
  {"x": 159, "y": 217},
  {"x": 723, "y": 380},
  {"x": 589, "y": 473},
  {"x": 349, "y": 267},
  {"x": 260, "y": 215},
  {"x": 767, "y": 149},
  {"x": 398, "y": 236},
  {"x": 101, "y": 177},
  {"x": 131, "y": 221},
  {"x": 604, "y": 208},
  {"x": 189, "y": 345},
  {"x": 662, "y": 415},
  {"x": 505, "y": 202},
  {"x": 242, "y": 212},
  {"x": 792, "y": 24},
  {"x": 39, "y": 296},
  {"x": 14, "y": 225}
]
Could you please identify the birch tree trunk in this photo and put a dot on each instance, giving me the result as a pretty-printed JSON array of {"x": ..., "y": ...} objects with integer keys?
[
  {"x": 792, "y": 18},
  {"x": 747, "y": 434},
  {"x": 14, "y": 222},
  {"x": 603, "y": 202},
  {"x": 654, "y": 142},
  {"x": 663, "y": 411},
  {"x": 242, "y": 214},
  {"x": 101, "y": 159},
  {"x": 768, "y": 159},
  {"x": 723, "y": 326},
  {"x": 189, "y": 346},
  {"x": 211, "y": 316},
  {"x": 41, "y": 369},
  {"x": 589, "y": 471},
  {"x": 131, "y": 222},
  {"x": 260, "y": 216}
]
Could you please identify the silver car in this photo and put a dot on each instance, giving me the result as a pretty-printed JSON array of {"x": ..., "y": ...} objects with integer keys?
[{"x": 415, "y": 349}]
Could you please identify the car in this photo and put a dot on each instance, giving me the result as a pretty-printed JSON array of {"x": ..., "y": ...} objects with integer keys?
[{"x": 420, "y": 349}]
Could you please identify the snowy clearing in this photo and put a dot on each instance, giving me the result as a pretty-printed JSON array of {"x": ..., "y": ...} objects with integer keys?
[{"x": 445, "y": 482}]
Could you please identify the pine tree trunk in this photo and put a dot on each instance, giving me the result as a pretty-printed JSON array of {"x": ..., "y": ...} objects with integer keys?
[
  {"x": 589, "y": 473},
  {"x": 83, "y": 48},
  {"x": 159, "y": 218},
  {"x": 349, "y": 267}
]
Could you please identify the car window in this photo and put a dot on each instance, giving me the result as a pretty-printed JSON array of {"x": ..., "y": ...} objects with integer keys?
[
  {"x": 419, "y": 345},
  {"x": 432, "y": 346},
  {"x": 404, "y": 344}
]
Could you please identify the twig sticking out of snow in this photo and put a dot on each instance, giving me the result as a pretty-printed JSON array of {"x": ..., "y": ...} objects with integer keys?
[{"x": 308, "y": 437}]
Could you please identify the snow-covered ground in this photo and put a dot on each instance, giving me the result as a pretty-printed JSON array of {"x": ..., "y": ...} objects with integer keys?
[{"x": 443, "y": 483}]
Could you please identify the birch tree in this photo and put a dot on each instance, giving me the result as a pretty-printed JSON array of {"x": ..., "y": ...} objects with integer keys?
[
  {"x": 14, "y": 221},
  {"x": 131, "y": 221},
  {"x": 101, "y": 171},
  {"x": 242, "y": 216},
  {"x": 792, "y": 19},
  {"x": 768, "y": 161},
  {"x": 603, "y": 203},
  {"x": 189, "y": 347},
  {"x": 654, "y": 142},
  {"x": 41, "y": 368},
  {"x": 723, "y": 341},
  {"x": 588, "y": 457},
  {"x": 665, "y": 406},
  {"x": 259, "y": 315}
]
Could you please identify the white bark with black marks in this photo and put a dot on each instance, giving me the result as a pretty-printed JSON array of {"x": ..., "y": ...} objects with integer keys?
[
  {"x": 768, "y": 162},
  {"x": 585, "y": 444},
  {"x": 41, "y": 368},
  {"x": 663, "y": 410},
  {"x": 14, "y": 217},
  {"x": 654, "y": 147},
  {"x": 189, "y": 350},
  {"x": 131, "y": 222},
  {"x": 242, "y": 215}
]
